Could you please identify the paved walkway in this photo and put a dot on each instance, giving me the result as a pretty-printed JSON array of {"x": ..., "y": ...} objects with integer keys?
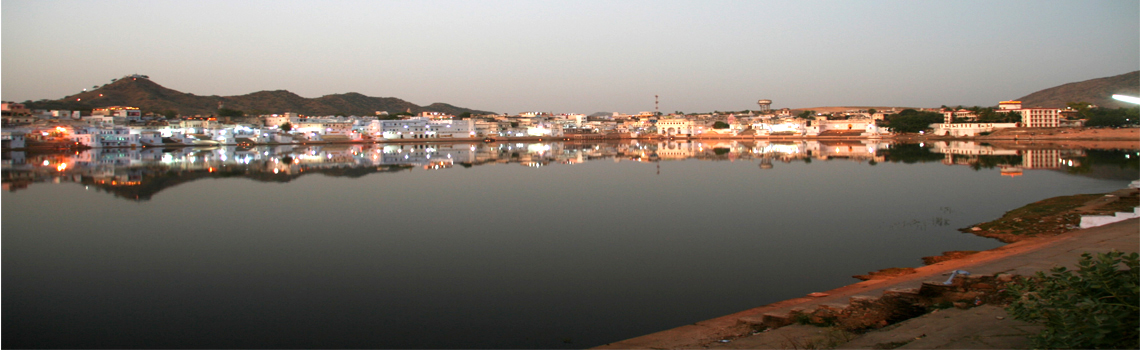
[{"x": 984, "y": 327}]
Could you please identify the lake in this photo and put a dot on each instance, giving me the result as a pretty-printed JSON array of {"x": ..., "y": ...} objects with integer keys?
[{"x": 487, "y": 245}]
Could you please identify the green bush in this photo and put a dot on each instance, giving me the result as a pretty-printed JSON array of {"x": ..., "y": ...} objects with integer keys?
[{"x": 1096, "y": 307}]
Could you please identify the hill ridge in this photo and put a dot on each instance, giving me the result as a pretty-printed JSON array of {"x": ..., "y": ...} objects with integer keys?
[
  {"x": 1097, "y": 91},
  {"x": 151, "y": 97}
]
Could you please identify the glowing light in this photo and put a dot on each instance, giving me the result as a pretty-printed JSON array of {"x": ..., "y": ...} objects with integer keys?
[
  {"x": 46, "y": 162},
  {"x": 61, "y": 167},
  {"x": 1126, "y": 98}
]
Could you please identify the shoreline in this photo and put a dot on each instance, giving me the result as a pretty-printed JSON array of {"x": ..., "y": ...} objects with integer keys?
[
  {"x": 755, "y": 322},
  {"x": 1120, "y": 138}
]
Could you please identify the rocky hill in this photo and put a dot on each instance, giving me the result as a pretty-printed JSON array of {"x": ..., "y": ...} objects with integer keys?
[
  {"x": 152, "y": 97},
  {"x": 1096, "y": 91}
]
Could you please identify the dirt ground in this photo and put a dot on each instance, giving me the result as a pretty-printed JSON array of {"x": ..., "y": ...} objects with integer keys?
[
  {"x": 1085, "y": 133},
  {"x": 1084, "y": 138}
]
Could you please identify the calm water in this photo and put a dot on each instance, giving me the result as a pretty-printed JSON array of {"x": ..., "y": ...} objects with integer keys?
[{"x": 480, "y": 245}]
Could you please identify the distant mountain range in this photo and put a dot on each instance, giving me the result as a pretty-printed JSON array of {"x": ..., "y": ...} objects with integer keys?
[
  {"x": 1096, "y": 91},
  {"x": 151, "y": 97}
]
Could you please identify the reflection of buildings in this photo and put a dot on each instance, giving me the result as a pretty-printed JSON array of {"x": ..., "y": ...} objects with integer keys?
[
  {"x": 785, "y": 151},
  {"x": 966, "y": 152},
  {"x": 676, "y": 150},
  {"x": 429, "y": 156},
  {"x": 865, "y": 150},
  {"x": 1041, "y": 159},
  {"x": 140, "y": 173},
  {"x": 1012, "y": 163}
]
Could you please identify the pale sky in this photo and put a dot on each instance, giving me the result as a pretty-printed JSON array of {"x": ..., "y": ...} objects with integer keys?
[{"x": 575, "y": 56}]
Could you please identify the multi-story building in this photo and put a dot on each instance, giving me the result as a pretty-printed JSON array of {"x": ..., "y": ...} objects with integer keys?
[
  {"x": 1040, "y": 117},
  {"x": 950, "y": 114}
]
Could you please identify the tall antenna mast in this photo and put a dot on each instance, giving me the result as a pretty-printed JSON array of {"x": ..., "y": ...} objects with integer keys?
[{"x": 656, "y": 109}]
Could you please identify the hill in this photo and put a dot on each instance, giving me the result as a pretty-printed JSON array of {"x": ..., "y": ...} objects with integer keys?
[
  {"x": 1096, "y": 91},
  {"x": 835, "y": 109},
  {"x": 152, "y": 97}
]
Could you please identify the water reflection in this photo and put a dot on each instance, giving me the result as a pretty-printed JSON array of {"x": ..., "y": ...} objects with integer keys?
[
  {"x": 558, "y": 243},
  {"x": 138, "y": 174}
]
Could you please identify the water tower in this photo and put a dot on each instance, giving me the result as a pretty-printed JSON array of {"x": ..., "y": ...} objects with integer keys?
[{"x": 765, "y": 106}]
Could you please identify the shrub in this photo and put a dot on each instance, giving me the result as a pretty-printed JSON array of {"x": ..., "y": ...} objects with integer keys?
[{"x": 1098, "y": 306}]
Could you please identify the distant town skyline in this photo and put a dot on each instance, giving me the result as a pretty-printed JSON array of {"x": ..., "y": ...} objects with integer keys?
[{"x": 580, "y": 57}]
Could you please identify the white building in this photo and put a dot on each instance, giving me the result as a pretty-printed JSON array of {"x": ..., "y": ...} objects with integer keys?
[
  {"x": 670, "y": 127},
  {"x": 967, "y": 129},
  {"x": 12, "y": 139},
  {"x": 424, "y": 128},
  {"x": 1040, "y": 117}
]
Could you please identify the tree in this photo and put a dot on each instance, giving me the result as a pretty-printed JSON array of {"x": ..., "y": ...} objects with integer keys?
[
  {"x": 720, "y": 125},
  {"x": 1113, "y": 117},
  {"x": 170, "y": 114},
  {"x": 910, "y": 120},
  {"x": 910, "y": 153},
  {"x": 989, "y": 115},
  {"x": 806, "y": 114},
  {"x": 226, "y": 112},
  {"x": 464, "y": 115},
  {"x": 287, "y": 127},
  {"x": 872, "y": 111},
  {"x": 1082, "y": 108}
]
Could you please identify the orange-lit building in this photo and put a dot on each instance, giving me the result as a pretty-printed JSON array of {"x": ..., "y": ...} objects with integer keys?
[
  {"x": 128, "y": 113},
  {"x": 1009, "y": 105}
]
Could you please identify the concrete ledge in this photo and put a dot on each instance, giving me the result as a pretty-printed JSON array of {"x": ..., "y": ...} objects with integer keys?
[{"x": 1090, "y": 221}]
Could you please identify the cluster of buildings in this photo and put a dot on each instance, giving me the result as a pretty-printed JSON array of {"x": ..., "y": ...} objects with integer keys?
[
  {"x": 121, "y": 126},
  {"x": 124, "y": 126},
  {"x": 1030, "y": 118}
]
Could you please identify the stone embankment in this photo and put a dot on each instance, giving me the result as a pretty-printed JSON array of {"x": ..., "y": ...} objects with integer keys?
[{"x": 915, "y": 310}]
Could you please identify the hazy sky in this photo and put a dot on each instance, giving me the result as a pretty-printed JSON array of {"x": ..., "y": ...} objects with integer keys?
[{"x": 575, "y": 56}]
